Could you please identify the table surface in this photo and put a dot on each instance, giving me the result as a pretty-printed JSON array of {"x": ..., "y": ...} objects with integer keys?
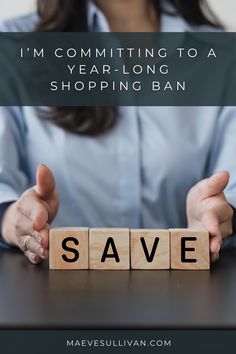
[{"x": 34, "y": 297}]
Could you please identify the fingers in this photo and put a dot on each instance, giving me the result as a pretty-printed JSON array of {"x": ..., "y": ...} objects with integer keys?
[
  {"x": 218, "y": 222},
  {"x": 211, "y": 223},
  {"x": 31, "y": 244},
  {"x": 31, "y": 208},
  {"x": 226, "y": 229},
  {"x": 45, "y": 182},
  {"x": 215, "y": 257},
  {"x": 217, "y": 232},
  {"x": 32, "y": 247},
  {"x": 33, "y": 258},
  {"x": 218, "y": 208},
  {"x": 44, "y": 236},
  {"x": 215, "y": 245},
  {"x": 212, "y": 186},
  {"x": 25, "y": 225},
  {"x": 207, "y": 206}
]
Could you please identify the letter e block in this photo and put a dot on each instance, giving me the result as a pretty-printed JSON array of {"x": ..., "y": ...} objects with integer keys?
[
  {"x": 189, "y": 249},
  {"x": 150, "y": 249},
  {"x": 68, "y": 248},
  {"x": 109, "y": 249}
]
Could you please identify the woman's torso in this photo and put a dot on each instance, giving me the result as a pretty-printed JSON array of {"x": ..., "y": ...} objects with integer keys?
[{"x": 138, "y": 174}]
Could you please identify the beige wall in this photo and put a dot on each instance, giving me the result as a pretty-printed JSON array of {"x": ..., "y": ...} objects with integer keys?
[{"x": 225, "y": 9}]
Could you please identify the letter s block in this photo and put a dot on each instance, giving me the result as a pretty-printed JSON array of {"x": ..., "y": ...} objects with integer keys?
[
  {"x": 109, "y": 249},
  {"x": 68, "y": 248},
  {"x": 189, "y": 249}
]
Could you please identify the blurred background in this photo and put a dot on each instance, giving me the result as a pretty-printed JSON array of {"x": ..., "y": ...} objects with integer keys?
[{"x": 224, "y": 9}]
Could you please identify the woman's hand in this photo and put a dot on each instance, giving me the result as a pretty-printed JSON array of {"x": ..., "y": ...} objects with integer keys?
[
  {"x": 207, "y": 207},
  {"x": 26, "y": 222}
]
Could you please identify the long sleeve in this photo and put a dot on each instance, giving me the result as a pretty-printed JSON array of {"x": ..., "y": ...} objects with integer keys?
[{"x": 13, "y": 165}]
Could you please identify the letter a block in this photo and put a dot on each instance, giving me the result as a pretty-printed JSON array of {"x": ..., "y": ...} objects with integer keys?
[
  {"x": 109, "y": 249},
  {"x": 68, "y": 248},
  {"x": 150, "y": 249},
  {"x": 189, "y": 249}
]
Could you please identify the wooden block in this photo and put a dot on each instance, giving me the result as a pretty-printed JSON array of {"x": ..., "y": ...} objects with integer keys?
[
  {"x": 189, "y": 249},
  {"x": 150, "y": 249},
  {"x": 109, "y": 249},
  {"x": 68, "y": 248}
]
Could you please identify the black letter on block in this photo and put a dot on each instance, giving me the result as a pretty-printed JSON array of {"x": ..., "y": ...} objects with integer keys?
[
  {"x": 150, "y": 256},
  {"x": 184, "y": 250},
  {"x": 110, "y": 242},
  {"x": 69, "y": 249}
]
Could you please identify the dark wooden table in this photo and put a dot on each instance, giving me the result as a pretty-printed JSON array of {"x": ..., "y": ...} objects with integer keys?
[{"x": 34, "y": 297}]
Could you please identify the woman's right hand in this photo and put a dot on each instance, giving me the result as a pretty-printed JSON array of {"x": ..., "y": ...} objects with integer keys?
[{"x": 26, "y": 222}]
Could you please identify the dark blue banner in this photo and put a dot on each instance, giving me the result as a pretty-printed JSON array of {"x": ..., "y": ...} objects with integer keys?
[{"x": 113, "y": 69}]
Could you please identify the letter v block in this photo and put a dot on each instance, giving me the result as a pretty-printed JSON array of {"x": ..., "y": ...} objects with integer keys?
[
  {"x": 109, "y": 249},
  {"x": 150, "y": 249},
  {"x": 68, "y": 248},
  {"x": 189, "y": 249}
]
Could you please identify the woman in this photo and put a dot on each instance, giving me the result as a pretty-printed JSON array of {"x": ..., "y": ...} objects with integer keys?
[{"x": 149, "y": 167}]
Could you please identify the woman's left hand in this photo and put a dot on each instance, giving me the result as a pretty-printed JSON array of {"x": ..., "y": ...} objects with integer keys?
[{"x": 208, "y": 208}]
